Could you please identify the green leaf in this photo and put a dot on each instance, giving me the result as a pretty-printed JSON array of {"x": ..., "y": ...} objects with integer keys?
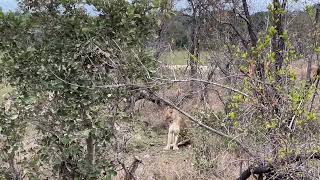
[{"x": 232, "y": 115}]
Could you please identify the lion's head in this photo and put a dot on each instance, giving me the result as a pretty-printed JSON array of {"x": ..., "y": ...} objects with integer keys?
[{"x": 168, "y": 115}]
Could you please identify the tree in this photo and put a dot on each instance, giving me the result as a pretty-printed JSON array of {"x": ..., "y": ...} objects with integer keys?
[
  {"x": 59, "y": 56},
  {"x": 278, "y": 41},
  {"x": 194, "y": 44}
]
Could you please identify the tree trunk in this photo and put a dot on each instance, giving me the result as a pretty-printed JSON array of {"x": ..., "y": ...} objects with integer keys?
[
  {"x": 317, "y": 31},
  {"x": 205, "y": 94},
  {"x": 252, "y": 34},
  {"x": 308, "y": 78},
  {"x": 90, "y": 149},
  {"x": 160, "y": 40},
  {"x": 193, "y": 54},
  {"x": 132, "y": 169},
  {"x": 90, "y": 142},
  {"x": 259, "y": 68},
  {"x": 13, "y": 167},
  {"x": 317, "y": 22},
  {"x": 194, "y": 45},
  {"x": 277, "y": 42}
]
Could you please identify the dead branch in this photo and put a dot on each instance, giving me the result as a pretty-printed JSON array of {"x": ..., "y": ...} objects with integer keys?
[
  {"x": 132, "y": 169},
  {"x": 255, "y": 171},
  {"x": 269, "y": 168},
  {"x": 213, "y": 83},
  {"x": 184, "y": 142}
]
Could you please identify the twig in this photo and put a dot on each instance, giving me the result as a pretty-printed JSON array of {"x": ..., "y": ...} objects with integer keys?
[
  {"x": 144, "y": 67},
  {"x": 294, "y": 116},
  {"x": 314, "y": 94},
  {"x": 96, "y": 86}
]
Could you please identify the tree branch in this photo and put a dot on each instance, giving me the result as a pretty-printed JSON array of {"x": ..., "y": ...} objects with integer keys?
[
  {"x": 255, "y": 170},
  {"x": 213, "y": 83}
]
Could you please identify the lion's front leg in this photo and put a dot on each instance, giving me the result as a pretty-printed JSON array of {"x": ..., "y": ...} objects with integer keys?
[
  {"x": 169, "y": 142},
  {"x": 175, "y": 145}
]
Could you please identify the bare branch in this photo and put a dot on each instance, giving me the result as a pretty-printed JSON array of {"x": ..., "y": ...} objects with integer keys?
[{"x": 213, "y": 83}]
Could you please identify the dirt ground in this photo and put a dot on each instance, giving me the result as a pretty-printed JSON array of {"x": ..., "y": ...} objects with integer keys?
[{"x": 158, "y": 164}]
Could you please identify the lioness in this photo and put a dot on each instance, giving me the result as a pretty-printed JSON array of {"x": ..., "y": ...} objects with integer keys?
[{"x": 176, "y": 123}]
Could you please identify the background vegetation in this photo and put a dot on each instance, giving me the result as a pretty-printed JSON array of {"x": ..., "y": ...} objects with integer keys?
[{"x": 82, "y": 95}]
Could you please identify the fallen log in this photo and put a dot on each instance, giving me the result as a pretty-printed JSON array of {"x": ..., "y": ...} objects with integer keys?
[
  {"x": 269, "y": 168},
  {"x": 260, "y": 170}
]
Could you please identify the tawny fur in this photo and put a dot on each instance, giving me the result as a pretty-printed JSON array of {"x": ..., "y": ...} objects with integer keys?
[
  {"x": 301, "y": 69},
  {"x": 175, "y": 123}
]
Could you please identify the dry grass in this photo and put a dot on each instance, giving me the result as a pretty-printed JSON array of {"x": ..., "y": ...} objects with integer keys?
[
  {"x": 179, "y": 165},
  {"x": 175, "y": 165},
  {"x": 166, "y": 165},
  {"x": 159, "y": 164}
]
